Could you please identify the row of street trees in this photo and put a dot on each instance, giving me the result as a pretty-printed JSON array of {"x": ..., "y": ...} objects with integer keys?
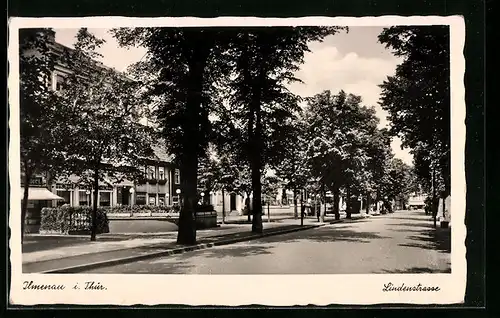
[
  {"x": 223, "y": 107},
  {"x": 226, "y": 87},
  {"x": 417, "y": 98}
]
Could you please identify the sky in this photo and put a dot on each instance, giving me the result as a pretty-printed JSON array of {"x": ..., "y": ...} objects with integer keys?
[{"x": 352, "y": 61}]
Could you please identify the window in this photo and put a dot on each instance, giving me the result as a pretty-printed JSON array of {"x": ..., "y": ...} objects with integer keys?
[
  {"x": 83, "y": 198},
  {"x": 140, "y": 199},
  {"x": 66, "y": 195},
  {"x": 105, "y": 198},
  {"x": 161, "y": 199},
  {"x": 177, "y": 176},
  {"x": 152, "y": 200},
  {"x": 161, "y": 173},
  {"x": 59, "y": 82},
  {"x": 151, "y": 172}
]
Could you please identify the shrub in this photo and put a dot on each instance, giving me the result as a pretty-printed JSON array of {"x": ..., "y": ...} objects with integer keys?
[{"x": 68, "y": 219}]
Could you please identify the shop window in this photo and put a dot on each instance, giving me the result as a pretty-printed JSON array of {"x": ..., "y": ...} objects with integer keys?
[
  {"x": 66, "y": 195},
  {"x": 152, "y": 200},
  {"x": 140, "y": 199},
  {"x": 84, "y": 198},
  {"x": 105, "y": 199},
  {"x": 161, "y": 199}
]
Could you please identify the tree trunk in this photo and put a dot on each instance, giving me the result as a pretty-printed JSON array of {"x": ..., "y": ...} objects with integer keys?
[
  {"x": 24, "y": 205},
  {"x": 348, "y": 203},
  {"x": 93, "y": 227},
  {"x": 268, "y": 213},
  {"x": 187, "y": 219},
  {"x": 336, "y": 203},
  {"x": 223, "y": 208},
  {"x": 257, "y": 195},
  {"x": 190, "y": 145},
  {"x": 249, "y": 218},
  {"x": 368, "y": 202},
  {"x": 256, "y": 153},
  {"x": 295, "y": 211},
  {"x": 324, "y": 203},
  {"x": 434, "y": 205}
]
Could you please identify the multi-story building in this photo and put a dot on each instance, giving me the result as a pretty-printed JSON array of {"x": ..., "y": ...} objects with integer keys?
[{"x": 157, "y": 186}]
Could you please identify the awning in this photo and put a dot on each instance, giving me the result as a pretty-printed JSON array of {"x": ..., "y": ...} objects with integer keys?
[{"x": 40, "y": 194}]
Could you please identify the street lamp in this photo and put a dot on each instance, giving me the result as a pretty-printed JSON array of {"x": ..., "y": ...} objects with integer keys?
[
  {"x": 131, "y": 191},
  {"x": 88, "y": 197},
  {"x": 202, "y": 197}
]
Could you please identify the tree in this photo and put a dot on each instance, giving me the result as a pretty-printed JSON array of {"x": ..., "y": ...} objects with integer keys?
[
  {"x": 417, "y": 97},
  {"x": 181, "y": 70},
  {"x": 270, "y": 187},
  {"x": 40, "y": 116},
  {"x": 265, "y": 60},
  {"x": 340, "y": 137},
  {"x": 103, "y": 108},
  {"x": 397, "y": 183},
  {"x": 292, "y": 170}
]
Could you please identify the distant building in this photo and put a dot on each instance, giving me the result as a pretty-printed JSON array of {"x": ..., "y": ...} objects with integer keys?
[{"x": 416, "y": 201}]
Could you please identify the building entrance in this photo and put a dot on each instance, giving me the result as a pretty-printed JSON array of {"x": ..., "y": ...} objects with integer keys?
[{"x": 232, "y": 202}]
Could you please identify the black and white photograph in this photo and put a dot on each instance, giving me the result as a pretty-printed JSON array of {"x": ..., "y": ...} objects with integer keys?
[{"x": 323, "y": 156}]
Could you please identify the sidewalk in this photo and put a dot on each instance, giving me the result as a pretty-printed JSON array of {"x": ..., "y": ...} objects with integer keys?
[{"x": 48, "y": 253}]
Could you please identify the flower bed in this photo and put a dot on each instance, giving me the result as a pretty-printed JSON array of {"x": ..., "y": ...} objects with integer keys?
[{"x": 142, "y": 209}]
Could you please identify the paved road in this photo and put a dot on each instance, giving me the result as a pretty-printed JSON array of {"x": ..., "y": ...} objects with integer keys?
[{"x": 403, "y": 242}]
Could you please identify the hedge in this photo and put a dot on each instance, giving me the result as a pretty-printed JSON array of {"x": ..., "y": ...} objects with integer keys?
[{"x": 67, "y": 219}]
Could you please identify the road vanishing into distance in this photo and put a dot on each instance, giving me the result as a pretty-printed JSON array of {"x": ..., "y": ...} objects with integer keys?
[{"x": 401, "y": 242}]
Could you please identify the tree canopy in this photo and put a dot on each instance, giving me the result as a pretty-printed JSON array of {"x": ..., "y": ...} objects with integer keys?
[{"x": 417, "y": 97}]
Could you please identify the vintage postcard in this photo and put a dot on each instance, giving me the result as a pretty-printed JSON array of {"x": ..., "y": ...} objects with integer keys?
[{"x": 235, "y": 161}]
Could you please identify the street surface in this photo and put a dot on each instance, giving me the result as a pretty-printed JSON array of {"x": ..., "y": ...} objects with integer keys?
[{"x": 402, "y": 242}]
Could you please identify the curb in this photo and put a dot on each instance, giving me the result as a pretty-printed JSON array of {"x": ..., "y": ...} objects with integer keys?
[
  {"x": 124, "y": 260},
  {"x": 336, "y": 221}
]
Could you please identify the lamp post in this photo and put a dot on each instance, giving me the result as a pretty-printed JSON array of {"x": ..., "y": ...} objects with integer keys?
[
  {"x": 318, "y": 211},
  {"x": 87, "y": 192},
  {"x": 131, "y": 200},
  {"x": 202, "y": 197}
]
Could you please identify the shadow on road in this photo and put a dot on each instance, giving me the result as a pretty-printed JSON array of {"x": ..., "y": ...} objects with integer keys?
[
  {"x": 435, "y": 239},
  {"x": 326, "y": 234},
  {"x": 410, "y": 225}
]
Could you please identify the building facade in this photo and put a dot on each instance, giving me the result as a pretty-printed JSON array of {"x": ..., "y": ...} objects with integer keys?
[{"x": 157, "y": 186}]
